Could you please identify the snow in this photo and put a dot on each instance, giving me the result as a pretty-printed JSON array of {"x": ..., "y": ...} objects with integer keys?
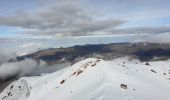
[{"x": 96, "y": 79}]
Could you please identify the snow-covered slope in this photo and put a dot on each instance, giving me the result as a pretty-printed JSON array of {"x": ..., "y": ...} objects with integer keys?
[{"x": 95, "y": 79}]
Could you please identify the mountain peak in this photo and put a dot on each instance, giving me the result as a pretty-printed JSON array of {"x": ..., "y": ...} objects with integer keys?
[{"x": 95, "y": 79}]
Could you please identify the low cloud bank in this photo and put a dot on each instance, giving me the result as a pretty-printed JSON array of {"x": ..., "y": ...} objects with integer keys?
[
  {"x": 157, "y": 38},
  {"x": 6, "y": 56},
  {"x": 21, "y": 68},
  {"x": 10, "y": 50}
]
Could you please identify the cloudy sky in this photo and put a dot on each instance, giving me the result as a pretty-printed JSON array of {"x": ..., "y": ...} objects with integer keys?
[
  {"x": 83, "y": 17},
  {"x": 26, "y": 26}
]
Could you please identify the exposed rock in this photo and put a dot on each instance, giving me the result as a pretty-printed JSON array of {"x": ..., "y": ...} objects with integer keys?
[{"x": 124, "y": 86}]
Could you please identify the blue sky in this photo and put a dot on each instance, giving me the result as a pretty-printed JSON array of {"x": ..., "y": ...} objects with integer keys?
[
  {"x": 126, "y": 13},
  {"x": 6, "y": 31},
  {"x": 10, "y": 6}
]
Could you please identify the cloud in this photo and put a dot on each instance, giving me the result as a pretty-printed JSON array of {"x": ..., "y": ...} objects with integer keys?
[
  {"x": 156, "y": 34},
  {"x": 27, "y": 48},
  {"x": 21, "y": 68},
  {"x": 13, "y": 47},
  {"x": 158, "y": 38},
  {"x": 5, "y": 56},
  {"x": 141, "y": 30},
  {"x": 6, "y": 52},
  {"x": 66, "y": 17}
]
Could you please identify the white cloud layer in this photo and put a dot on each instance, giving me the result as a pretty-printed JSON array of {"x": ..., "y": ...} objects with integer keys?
[
  {"x": 21, "y": 68},
  {"x": 158, "y": 38},
  {"x": 66, "y": 17}
]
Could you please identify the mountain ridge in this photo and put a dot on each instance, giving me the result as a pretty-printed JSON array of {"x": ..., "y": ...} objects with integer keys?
[
  {"x": 96, "y": 79},
  {"x": 142, "y": 51}
]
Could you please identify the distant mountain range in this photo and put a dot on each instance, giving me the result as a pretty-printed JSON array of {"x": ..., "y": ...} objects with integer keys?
[{"x": 141, "y": 51}]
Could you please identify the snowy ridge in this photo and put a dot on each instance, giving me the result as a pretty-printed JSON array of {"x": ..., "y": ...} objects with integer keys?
[
  {"x": 96, "y": 79},
  {"x": 16, "y": 90}
]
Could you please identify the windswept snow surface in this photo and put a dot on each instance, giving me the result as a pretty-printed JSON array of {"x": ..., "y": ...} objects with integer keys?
[{"x": 96, "y": 79}]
